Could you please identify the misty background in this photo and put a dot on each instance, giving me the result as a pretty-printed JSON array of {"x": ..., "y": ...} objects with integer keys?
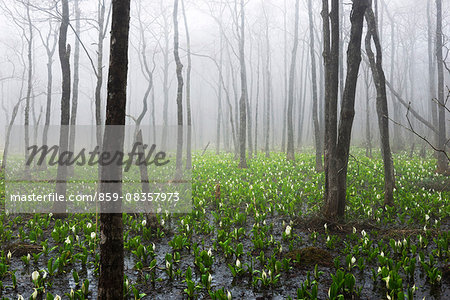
[{"x": 404, "y": 30}]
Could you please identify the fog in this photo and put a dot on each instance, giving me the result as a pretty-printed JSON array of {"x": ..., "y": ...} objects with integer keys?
[{"x": 212, "y": 29}]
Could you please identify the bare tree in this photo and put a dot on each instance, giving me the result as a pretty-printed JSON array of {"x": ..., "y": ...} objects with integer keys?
[
  {"x": 64, "y": 58},
  {"x": 179, "y": 71},
  {"x": 244, "y": 94},
  {"x": 442, "y": 163},
  {"x": 188, "y": 92},
  {"x": 110, "y": 283},
  {"x": 102, "y": 26},
  {"x": 379, "y": 79},
  {"x": 76, "y": 81},
  {"x": 317, "y": 135},
  {"x": 431, "y": 67},
  {"x": 290, "y": 155},
  {"x": 49, "y": 43},
  {"x": 336, "y": 186}
]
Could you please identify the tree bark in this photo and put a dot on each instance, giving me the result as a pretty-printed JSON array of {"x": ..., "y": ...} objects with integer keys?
[
  {"x": 64, "y": 57},
  {"x": 179, "y": 70},
  {"x": 99, "y": 75},
  {"x": 337, "y": 179},
  {"x": 431, "y": 70},
  {"x": 244, "y": 95},
  {"x": 76, "y": 80},
  {"x": 376, "y": 66},
  {"x": 188, "y": 92},
  {"x": 290, "y": 154},
  {"x": 331, "y": 66},
  {"x": 110, "y": 283},
  {"x": 442, "y": 162},
  {"x": 50, "y": 50},
  {"x": 29, "y": 88},
  {"x": 317, "y": 137}
]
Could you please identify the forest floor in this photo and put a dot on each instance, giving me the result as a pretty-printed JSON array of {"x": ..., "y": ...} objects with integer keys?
[{"x": 253, "y": 234}]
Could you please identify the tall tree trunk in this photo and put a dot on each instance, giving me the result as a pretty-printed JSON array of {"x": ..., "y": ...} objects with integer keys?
[
  {"x": 64, "y": 57},
  {"x": 179, "y": 70},
  {"x": 382, "y": 106},
  {"x": 244, "y": 94},
  {"x": 110, "y": 283},
  {"x": 336, "y": 195},
  {"x": 331, "y": 66},
  {"x": 50, "y": 50},
  {"x": 188, "y": 92},
  {"x": 29, "y": 88},
  {"x": 290, "y": 154},
  {"x": 368, "y": 131},
  {"x": 317, "y": 137},
  {"x": 398, "y": 140},
  {"x": 348, "y": 102},
  {"x": 76, "y": 80},
  {"x": 99, "y": 75},
  {"x": 431, "y": 70},
  {"x": 442, "y": 163}
]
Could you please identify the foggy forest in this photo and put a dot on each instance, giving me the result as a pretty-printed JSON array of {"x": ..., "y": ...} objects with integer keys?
[{"x": 224, "y": 149}]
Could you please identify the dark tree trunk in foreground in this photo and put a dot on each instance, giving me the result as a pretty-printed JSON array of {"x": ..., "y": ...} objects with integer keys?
[
  {"x": 317, "y": 136},
  {"x": 379, "y": 79},
  {"x": 179, "y": 71},
  {"x": 110, "y": 283},
  {"x": 290, "y": 154},
  {"x": 244, "y": 94},
  {"x": 442, "y": 163},
  {"x": 64, "y": 57},
  {"x": 336, "y": 196},
  {"x": 188, "y": 93}
]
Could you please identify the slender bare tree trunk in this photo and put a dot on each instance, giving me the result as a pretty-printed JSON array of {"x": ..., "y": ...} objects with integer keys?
[
  {"x": 284, "y": 119},
  {"x": 290, "y": 154},
  {"x": 244, "y": 93},
  {"x": 110, "y": 283},
  {"x": 29, "y": 87},
  {"x": 179, "y": 71},
  {"x": 317, "y": 137},
  {"x": 382, "y": 106},
  {"x": 431, "y": 70},
  {"x": 64, "y": 57},
  {"x": 99, "y": 75},
  {"x": 76, "y": 80},
  {"x": 50, "y": 50},
  {"x": 442, "y": 163},
  {"x": 368, "y": 131},
  {"x": 188, "y": 92}
]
